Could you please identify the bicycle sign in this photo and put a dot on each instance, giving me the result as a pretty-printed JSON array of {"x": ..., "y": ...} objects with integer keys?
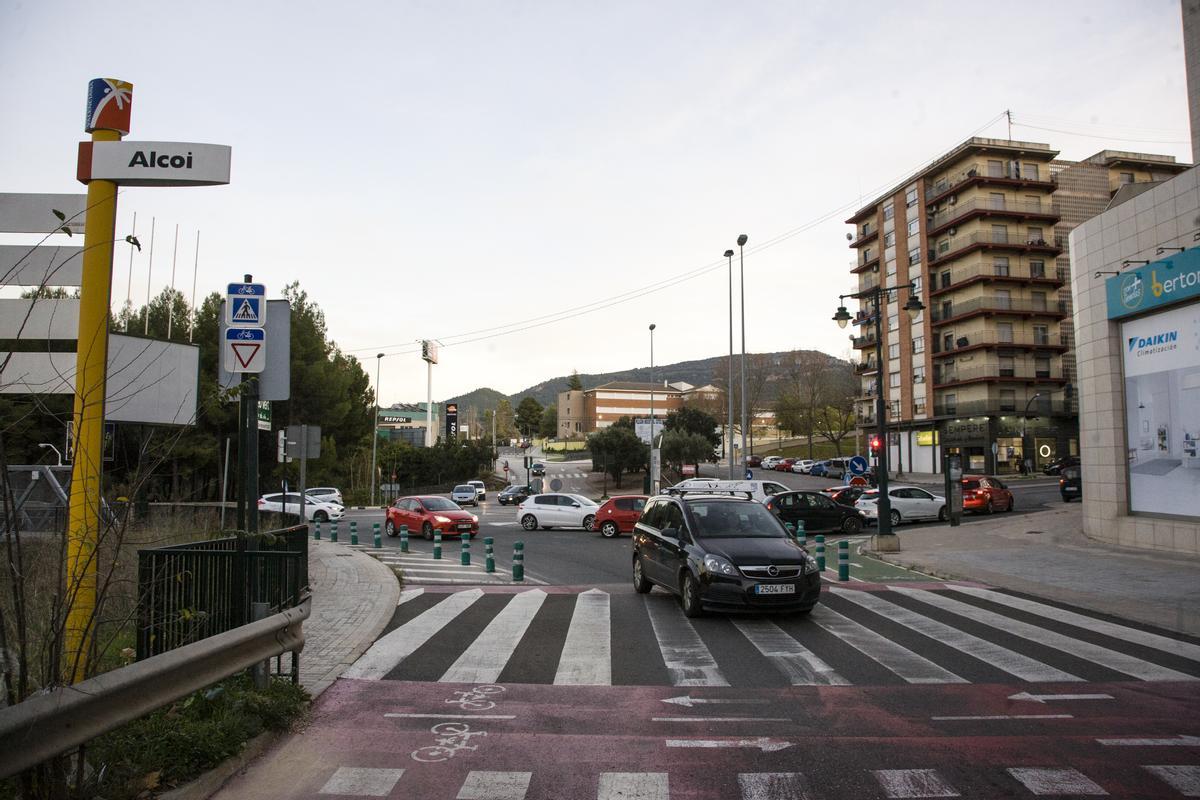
[
  {"x": 245, "y": 305},
  {"x": 476, "y": 699},
  {"x": 452, "y": 737}
]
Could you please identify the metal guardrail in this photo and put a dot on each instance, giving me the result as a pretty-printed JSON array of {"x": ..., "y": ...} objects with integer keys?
[{"x": 49, "y": 724}]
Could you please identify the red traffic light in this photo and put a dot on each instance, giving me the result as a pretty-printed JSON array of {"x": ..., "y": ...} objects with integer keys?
[{"x": 875, "y": 445}]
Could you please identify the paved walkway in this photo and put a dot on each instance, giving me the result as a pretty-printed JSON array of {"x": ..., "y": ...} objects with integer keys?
[{"x": 1046, "y": 554}]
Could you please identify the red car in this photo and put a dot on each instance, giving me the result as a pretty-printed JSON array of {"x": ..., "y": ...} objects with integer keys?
[
  {"x": 985, "y": 494},
  {"x": 619, "y": 514},
  {"x": 428, "y": 513},
  {"x": 785, "y": 465}
]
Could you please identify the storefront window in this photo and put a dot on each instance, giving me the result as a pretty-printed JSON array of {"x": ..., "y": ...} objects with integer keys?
[{"x": 1009, "y": 455}]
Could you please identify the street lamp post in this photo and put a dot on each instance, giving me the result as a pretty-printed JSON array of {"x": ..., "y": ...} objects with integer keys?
[
  {"x": 653, "y": 477},
  {"x": 1026, "y": 461},
  {"x": 741, "y": 242},
  {"x": 375, "y": 425},
  {"x": 729, "y": 383},
  {"x": 886, "y": 539}
]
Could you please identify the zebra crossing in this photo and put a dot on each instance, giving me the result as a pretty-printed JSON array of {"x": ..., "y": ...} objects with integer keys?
[
  {"x": 855, "y": 636},
  {"x": 423, "y": 568}
]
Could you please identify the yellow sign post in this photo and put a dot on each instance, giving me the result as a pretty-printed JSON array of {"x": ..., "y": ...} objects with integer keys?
[{"x": 108, "y": 114}]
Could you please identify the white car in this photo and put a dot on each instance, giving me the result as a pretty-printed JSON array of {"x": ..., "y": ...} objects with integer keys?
[
  {"x": 909, "y": 503},
  {"x": 557, "y": 510},
  {"x": 465, "y": 495},
  {"x": 480, "y": 489},
  {"x": 326, "y": 494},
  {"x": 770, "y": 461},
  {"x": 755, "y": 490},
  {"x": 803, "y": 466},
  {"x": 314, "y": 510}
]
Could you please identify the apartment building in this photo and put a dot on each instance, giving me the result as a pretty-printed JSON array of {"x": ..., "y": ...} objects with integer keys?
[
  {"x": 986, "y": 371},
  {"x": 584, "y": 412}
]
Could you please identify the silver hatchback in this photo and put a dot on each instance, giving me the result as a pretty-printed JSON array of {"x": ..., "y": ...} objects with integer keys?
[{"x": 465, "y": 495}]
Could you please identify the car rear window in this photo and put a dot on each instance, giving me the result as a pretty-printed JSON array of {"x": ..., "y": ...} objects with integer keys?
[{"x": 970, "y": 484}]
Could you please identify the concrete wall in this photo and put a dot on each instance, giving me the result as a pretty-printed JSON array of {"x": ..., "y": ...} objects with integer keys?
[{"x": 1167, "y": 215}]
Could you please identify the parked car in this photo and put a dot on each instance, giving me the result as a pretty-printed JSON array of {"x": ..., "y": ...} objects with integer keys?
[
  {"x": 1070, "y": 483},
  {"x": 1056, "y": 466},
  {"x": 514, "y": 494},
  {"x": 619, "y": 514},
  {"x": 465, "y": 495},
  {"x": 429, "y": 513},
  {"x": 819, "y": 469},
  {"x": 846, "y": 495},
  {"x": 314, "y": 510},
  {"x": 557, "y": 510},
  {"x": 754, "y": 461},
  {"x": 909, "y": 503},
  {"x": 818, "y": 512},
  {"x": 837, "y": 467},
  {"x": 802, "y": 466},
  {"x": 784, "y": 464},
  {"x": 985, "y": 494},
  {"x": 756, "y": 490},
  {"x": 480, "y": 489},
  {"x": 770, "y": 461},
  {"x": 326, "y": 494},
  {"x": 537, "y": 470},
  {"x": 720, "y": 552}
]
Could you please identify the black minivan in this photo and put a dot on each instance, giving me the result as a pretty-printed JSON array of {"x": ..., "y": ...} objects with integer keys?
[{"x": 1070, "y": 483}]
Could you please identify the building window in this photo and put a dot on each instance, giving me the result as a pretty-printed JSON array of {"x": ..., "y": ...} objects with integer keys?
[
  {"x": 894, "y": 380},
  {"x": 889, "y": 238},
  {"x": 1003, "y": 299},
  {"x": 1029, "y": 171},
  {"x": 910, "y": 196},
  {"x": 1038, "y": 301},
  {"x": 918, "y": 374},
  {"x": 914, "y": 226},
  {"x": 1041, "y": 334},
  {"x": 889, "y": 211},
  {"x": 916, "y": 285},
  {"x": 946, "y": 279},
  {"x": 893, "y": 322},
  {"x": 894, "y": 409},
  {"x": 947, "y": 341},
  {"x": 1037, "y": 269},
  {"x": 1041, "y": 367},
  {"x": 996, "y": 200},
  {"x": 1004, "y": 332},
  {"x": 891, "y": 267},
  {"x": 866, "y": 254},
  {"x": 1008, "y": 400},
  {"x": 914, "y": 256},
  {"x": 1000, "y": 234},
  {"x": 893, "y": 351},
  {"x": 919, "y": 405},
  {"x": 1036, "y": 236},
  {"x": 918, "y": 344},
  {"x": 943, "y": 245},
  {"x": 1007, "y": 367},
  {"x": 995, "y": 169},
  {"x": 950, "y": 403},
  {"x": 1000, "y": 266},
  {"x": 1126, "y": 177}
]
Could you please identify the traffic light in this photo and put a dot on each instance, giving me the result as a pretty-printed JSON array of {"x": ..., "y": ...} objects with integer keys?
[{"x": 875, "y": 445}]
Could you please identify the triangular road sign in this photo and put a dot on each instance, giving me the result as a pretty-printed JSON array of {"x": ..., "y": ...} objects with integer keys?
[{"x": 244, "y": 352}]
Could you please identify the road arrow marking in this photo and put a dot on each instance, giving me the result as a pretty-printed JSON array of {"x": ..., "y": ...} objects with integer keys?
[
  {"x": 688, "y": 701},
  {"x": 1180, "y": 741},
  {"x": 762, "y": 743},
  {"x": 720, "y": 719},
  {"x": 1042, "y": 698}
]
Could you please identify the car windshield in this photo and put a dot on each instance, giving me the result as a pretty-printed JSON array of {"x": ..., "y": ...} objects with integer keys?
[
  {"x": 464, "y": 489},
  {"x": 439, "y": 504},
  {"x": 722, "y": 519}
]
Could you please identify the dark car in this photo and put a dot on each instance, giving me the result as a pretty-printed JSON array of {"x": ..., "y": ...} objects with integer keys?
[
  {"x": 722, "y": 553},
  {"x": 1070, "y": 484},
  {"x": 753, "y": 461},
  {"x": 513, "y": 495},
  {"x": 818, "y": 512},
  {"x": 1056, "y": 466},
  {"x": 845, "y": 495},
  {"x": 537, "y": 469}
]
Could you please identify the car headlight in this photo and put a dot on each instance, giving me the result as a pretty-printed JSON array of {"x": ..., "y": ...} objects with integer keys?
[
  {"x": 810, "y": 565},
  {"x": 474, "y": 518},
  {"x": 440, "y": 518},
  {"x": 719, "y": 565}
]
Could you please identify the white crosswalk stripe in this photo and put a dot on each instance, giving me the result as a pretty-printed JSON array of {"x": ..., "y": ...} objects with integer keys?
[
  {"x": 389, "y": 650},
  {"x": 1182, "y": 778},
  {"x": 586, "y": 658},
  {"x": 484, "y": 785},
  {"x": 794, "y": 660},
  {"x": 484, "y": 660},
  {"x": 913, "y": 783},
  {"x": 774, "y": 786},
  {"x": 633, "y": 786},
  {"x": 687, "y": 658},
  {"x": 900, "y": 660}
]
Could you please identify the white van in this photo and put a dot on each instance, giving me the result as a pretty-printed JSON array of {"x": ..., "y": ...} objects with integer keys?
[{"x": 758, "y": 490}]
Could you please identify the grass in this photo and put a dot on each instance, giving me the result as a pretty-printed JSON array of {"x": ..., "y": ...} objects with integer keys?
[{"x": 820, "y": 450}]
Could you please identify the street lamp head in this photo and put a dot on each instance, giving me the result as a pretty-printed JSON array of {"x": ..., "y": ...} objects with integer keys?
[
  {"x": 379, "y": 355},
  {"x": 743, "y": 239},
  {"x": 652, "y": 326},
  {"x": 914, "y": 306},
  {"x": 841, "y": 317},
  {"x": 729, "y": 254}
]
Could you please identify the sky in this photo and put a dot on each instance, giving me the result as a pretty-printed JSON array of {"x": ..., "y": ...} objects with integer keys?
[{"x": 534, "y": 184}]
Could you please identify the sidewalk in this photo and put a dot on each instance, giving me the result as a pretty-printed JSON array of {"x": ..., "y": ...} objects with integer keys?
[{"x": 1045, "y": 554}]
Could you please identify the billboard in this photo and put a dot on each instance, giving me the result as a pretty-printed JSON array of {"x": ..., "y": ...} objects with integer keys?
[
  {"x": 641, "y": 427},
  {"x": 1161, "y": 354},
  {"x": 451, "y": 421}
]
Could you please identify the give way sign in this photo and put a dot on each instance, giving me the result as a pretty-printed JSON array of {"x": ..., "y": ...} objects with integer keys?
[{"x": 245, "y": 350}]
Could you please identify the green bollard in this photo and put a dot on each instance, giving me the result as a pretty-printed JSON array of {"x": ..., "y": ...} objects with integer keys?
[
  {"x": 518, "y": 564},
  {"x": 820, "y": 552},
  {"x": 378, "y": 541},
  {"x": 466, "y": 550},
  {"x": 353, "y": 531},
  {"x": 333, "y": 532},
  {"x": 491, "y": 556},
  {"x": 791, "y": 529},
  {"x": 437, "y": 544},
  {"x": 843, "y": 560},
  {"x": 316, "y": 530},
  {"x": 403, "y": 538},
  {"x": 801, "y": 536}
]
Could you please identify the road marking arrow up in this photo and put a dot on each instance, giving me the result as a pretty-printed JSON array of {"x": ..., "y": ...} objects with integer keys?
[
  {"x": 687, "y": 701},
  {"x": 1042, "y": 698},
  {"x": 762, "y": 743},
  {"x": 1179, "y": 741}
]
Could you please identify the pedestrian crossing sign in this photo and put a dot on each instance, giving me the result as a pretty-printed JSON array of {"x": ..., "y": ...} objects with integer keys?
[{"x": 246, "y": 305}]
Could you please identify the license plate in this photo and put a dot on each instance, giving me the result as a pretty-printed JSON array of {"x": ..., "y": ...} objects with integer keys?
[
  {"x": 775, "y": 588},
  {"x": 464, "y": 527},
  {"x": 1070, "y": 489}
]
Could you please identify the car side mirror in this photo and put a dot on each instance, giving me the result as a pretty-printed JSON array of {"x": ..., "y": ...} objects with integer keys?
[
  {"x": 574, "y": 505},
  {"x": 670, "y": 533}
]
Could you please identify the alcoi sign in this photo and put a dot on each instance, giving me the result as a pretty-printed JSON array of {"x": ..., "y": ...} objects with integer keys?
[{"x": 154, "y": 163}]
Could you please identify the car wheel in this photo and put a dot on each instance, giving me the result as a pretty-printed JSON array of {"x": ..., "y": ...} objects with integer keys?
[
  {"x": 991, "y": 506},
  {"x": 320, "y": 516},
  {"x": 1066, "y": 499},
  {"x": 942, "y": 513},
  {"x": 589, "y": 523},
  {"x": 641, "y": 584},
  {"x": 851, "y": 526},
  {"x": 427, "y": 530},
  {"x": 1012, "y": 501},
  {"x": 389, "y": 528},
  {"x": 529, "y": 522},
  {"x": 895, "y": 518},
  {"x": 690, "y": 597},
  {"x": 609, "y": 530}
]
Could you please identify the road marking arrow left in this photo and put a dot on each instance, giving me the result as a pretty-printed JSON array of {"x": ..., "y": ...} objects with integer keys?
[
  {"x": 762, "y": 743},
  {"x": 687, "y": 701}
]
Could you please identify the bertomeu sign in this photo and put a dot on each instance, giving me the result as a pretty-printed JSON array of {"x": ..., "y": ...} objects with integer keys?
[{"x": 1155, "y": 285}]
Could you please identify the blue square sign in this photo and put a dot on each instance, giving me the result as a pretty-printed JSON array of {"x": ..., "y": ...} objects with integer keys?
[{"x": 246, "y": 305}]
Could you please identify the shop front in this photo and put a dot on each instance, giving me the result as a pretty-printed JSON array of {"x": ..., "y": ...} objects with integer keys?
[{"x": 969, "y": 438}]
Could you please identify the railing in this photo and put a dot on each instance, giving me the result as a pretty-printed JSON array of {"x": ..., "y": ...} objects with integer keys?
[
  {"x": 864, "y": 341},
  {"x": 866, "y": 234},
  {"x": 1003, "y": 206},
  {"x": 861, "y": 367},
  {"x": 1000, "y": 304},
  {"x": 1006, "y": 171},
  {"x": 868, "y": 281},
  {"x": 995, "y": 406},
  {"x": 1014, "y": 272},
  {"x": 192, "y": 591},
  {"x": 995, "y": 372},
  {"x": 989, "y": 239},
  {"x": 1000, "y": 338}
]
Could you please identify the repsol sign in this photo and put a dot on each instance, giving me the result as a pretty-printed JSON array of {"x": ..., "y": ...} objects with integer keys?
[{"x": 154, "y": 159}]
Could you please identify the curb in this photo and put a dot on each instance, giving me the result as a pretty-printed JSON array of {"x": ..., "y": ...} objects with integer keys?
[{"x": 211, "y": 782}]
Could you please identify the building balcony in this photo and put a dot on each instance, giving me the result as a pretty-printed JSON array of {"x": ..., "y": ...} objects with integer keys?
[
  {"x": 865, "y": 234},
  {"x": 991, "y": 207},
  {"x": 865, "y": 264},
  {"x": 865, "y": 367},
  {"x": 996, "y": 374},
  {"x": 866, "y": 340},
  {"x": 1011, "y": 340},
  {"x": 1050, "y": 278},
  {"x": 868, "y": 281},
  {"x": 984, "y": 240},
  {"x": 1004, "y": 174},
  {"x": 994, "y": 407},
  {"x": 949, "y": 312}
]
